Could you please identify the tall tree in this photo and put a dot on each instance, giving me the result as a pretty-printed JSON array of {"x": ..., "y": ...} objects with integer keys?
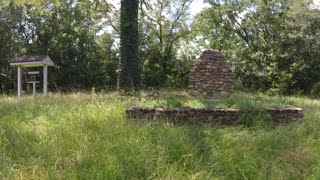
[
  {"x": 129, "y": 77},
  {"x": 67, "y": 32},
  {"x": 272, "y": 45},
  {"x": 164, "y": 23}
]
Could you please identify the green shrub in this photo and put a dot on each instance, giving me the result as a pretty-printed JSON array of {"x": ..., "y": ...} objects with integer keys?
[
  {"x": 238, "y": 85},
  {"x": 273, "y": 91},
  {"x": 316, "y": 90}
]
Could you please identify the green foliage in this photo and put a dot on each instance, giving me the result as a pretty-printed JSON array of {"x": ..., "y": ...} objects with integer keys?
[
  {"x": 270, "y": 44},
  {"x": 10, "y": 16},
  {"x": 163, "y": 29},
  {"x": 87, "y": 136},
  {"x": 67, "y": 33},
  {"x": 67, "y": 36},
  {"x": 316, "y": 90}
]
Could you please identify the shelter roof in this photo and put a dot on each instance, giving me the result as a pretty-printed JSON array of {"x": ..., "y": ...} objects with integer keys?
[{"x": 32, "y": 61}]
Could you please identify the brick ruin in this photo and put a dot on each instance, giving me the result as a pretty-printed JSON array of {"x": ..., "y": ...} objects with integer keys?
[
  {"x": 213, "y": 115},
  {"x": 211, "y": 76}
]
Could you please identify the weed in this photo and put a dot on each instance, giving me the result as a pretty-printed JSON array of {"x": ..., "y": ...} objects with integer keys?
[{"x": 87, "y": 136}]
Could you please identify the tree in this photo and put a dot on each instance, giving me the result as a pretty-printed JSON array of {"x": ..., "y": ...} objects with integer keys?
[
  {"x": 129, "y": 77},
  {"x": 164, "y": 24},
  {"x": 66, "y": 32},
  {"x": 271, "y": 44},
  {"x": 10, "y": 43}
]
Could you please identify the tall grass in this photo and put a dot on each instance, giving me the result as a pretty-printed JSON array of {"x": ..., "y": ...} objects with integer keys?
[{"x": 87, "y": 136}]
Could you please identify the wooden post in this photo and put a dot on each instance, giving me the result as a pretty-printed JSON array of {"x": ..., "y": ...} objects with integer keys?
[
  {"x": 19, "y": 81},
  {"x": 45, "y": 80},
  {"x": 34, "y": 89}
]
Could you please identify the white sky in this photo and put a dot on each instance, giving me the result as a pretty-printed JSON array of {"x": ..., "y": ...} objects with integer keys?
[
  {"x": 197, "y": 6},
  {"x": 316, "y": 3}
]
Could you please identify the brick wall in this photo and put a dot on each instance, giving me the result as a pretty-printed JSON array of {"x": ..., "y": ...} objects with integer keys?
[{"x": 213, "y": 115}]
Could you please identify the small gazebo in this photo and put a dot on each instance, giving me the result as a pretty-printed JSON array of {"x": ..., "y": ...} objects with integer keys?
[{"x": 33, "y": 61}]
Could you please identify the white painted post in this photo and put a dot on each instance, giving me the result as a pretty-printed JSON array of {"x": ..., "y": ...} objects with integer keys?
[
  {"x": 34, "y": 88},
  {"x": 19, "y": 81},
  {"x": 45, "y": 80}
]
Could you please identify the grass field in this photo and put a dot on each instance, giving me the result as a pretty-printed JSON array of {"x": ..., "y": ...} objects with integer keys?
[{"x": 87, "y": 136}]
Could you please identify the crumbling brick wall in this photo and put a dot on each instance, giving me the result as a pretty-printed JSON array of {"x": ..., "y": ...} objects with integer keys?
[{"x": 213, "y": 115}]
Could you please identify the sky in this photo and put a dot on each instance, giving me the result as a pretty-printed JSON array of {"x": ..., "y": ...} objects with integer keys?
[{"x": 197, "y": 6}]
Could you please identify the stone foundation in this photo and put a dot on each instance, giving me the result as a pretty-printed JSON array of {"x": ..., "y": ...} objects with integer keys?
[{"x": 212, "y": 115}]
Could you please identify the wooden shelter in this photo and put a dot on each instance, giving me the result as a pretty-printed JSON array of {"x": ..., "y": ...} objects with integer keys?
[{"x": 33, "y": 61}]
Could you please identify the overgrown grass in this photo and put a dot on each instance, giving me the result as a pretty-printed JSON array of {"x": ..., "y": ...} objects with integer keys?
[{"x": 87, "y": 136}]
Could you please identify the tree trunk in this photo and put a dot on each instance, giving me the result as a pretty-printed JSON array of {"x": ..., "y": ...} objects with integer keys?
[{"x": 130, "y": 68}]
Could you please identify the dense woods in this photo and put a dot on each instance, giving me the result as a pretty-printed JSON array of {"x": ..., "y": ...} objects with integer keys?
[{"x": 271, "y": 45}]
